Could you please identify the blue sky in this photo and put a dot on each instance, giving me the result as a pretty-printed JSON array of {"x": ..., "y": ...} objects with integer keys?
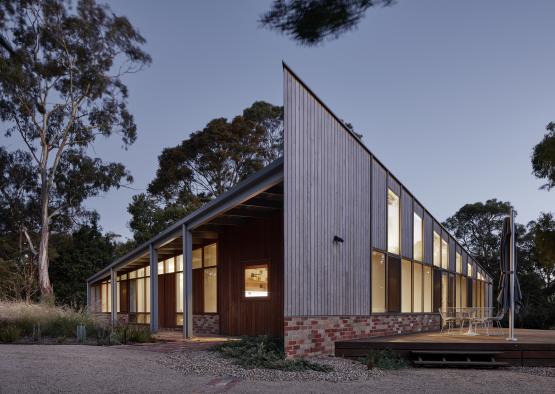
[{"x": 450, "y": 95}]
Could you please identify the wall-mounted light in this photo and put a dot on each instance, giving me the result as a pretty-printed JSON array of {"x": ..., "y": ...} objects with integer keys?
[{"x": 338, "y": 239}]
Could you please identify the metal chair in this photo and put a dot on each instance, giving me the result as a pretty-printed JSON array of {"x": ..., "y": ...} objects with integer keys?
[{"x": 450, "y": 321}]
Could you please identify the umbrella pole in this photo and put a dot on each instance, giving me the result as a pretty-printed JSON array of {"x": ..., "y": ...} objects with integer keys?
[{"x": 512, "y": 274}]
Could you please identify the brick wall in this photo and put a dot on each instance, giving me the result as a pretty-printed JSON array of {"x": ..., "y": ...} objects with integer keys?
[
  {"x": 206, "y": 324},
  {"x": 315, "y": 335}
]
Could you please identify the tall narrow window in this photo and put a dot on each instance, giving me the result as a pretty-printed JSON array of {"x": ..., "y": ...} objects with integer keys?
[
  {"x": 211, "y": 291},
  {"x": 406, "y": 286},
  {"x": 444, "y": 291},
  {"x": 444, "y": 254},
  {"x": 418, "y": 245},
  {"x": 428, "y": 283},
  {"x": 378, "y": 282},
  {"x": 437, "y": 250},
  {"x": 458, "y": 260},
  {"x": 393, "y": 224},
  {"x": 417, "y": 288},
  {"x": 205, "y": 279},
  {"x": 464, "y": 296},
  {"x": 469, "y": 269}
]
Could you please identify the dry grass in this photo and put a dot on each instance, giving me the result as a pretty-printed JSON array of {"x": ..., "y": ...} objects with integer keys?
[{"x": 41, "y": 320}]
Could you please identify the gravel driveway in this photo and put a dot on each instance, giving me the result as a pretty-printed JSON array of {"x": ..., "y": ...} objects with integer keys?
[{"x": 73, "y": 368}]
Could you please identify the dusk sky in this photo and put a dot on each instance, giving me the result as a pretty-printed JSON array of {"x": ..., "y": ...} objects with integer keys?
[{"x": 450, "y": 95}]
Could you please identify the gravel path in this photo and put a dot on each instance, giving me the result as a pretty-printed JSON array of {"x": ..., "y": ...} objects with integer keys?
[
  {"x": 206, "y": 362},
  {"x": 132, "y": 369}
]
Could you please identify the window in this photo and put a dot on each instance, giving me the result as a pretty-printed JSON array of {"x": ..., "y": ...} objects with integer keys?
[
  {"x": 418, "y": 255},
  {"x": 393, "y": 224},
  {"x": 378, "y": 282},
  {"x": 417, "y": 288},
  {"x": 205, "y": 280},
  {"x": 210, "y": 290},
  {"x": 458, "y": 261},
  {"x": 444, "y": 254},
  {"x": 406, "y": 286},
  {"x": 437, "y": 250},
  {"x": 428, "y": 283},
  {"x": 393, "y": 284},
  {"x": 458, "y": 291},
  {"x": 256, "y": 281},
  {"x": 469, "y": 269},
  {"x": 464, "y": 296},
  {"x": 444, "y": 291}
]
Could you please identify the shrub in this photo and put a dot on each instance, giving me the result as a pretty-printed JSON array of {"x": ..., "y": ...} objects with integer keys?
[
  {"x": 384, "y": 359},
  {"x": 9, "y": 333},
  {"x": 124, "y": 334},
  {"x": 265, "y": 352}
]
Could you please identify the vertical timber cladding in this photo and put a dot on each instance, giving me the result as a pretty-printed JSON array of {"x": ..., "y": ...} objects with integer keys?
[
  {"x": 407, "y": 223},
  {"x": 379, "y": 206},
  {"x": 327, "y": 193},
  {"x": 428, "y": 234}
]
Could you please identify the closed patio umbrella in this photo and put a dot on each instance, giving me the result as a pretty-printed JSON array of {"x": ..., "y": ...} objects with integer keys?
[{"x": 508, "y": 279}]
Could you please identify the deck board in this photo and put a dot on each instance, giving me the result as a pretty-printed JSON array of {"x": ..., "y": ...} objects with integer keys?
[{"x": 533, "y": 348}]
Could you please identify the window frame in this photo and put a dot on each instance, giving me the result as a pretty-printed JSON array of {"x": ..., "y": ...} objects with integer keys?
[{"x": 250, "y": 264}]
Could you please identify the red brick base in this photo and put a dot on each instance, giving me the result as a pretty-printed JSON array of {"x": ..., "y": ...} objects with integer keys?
[
  {"x": 316, "y": 335},
  {"x": 206, "y": 324}
]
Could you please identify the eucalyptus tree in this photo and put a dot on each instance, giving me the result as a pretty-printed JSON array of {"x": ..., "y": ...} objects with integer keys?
[{"x": 61, "y": 87}]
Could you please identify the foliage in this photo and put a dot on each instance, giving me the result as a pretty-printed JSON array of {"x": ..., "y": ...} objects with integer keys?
[
  {"x": 9, "y": 333},
  {"x": 124, "y": 334},
  {"x": 478, "y": 227},
  {"x": 384, "y": 359},
  {"x": 77, "y": 256},
  {"x": 207, "y": 164},
  {"x": 309, "y": 22},
  {"x": 543, "y": 158},
  {"x": 265, "y": 352},
  {"x": 61, "y": 87},
  {"x": 47, "y": 320}
]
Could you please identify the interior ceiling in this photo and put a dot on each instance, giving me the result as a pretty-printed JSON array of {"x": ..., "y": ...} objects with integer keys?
[{"x": 261, "y": 206}]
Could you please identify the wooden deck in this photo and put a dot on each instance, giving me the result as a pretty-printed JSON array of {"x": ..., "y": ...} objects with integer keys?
[{"x": 533, "y": 348}]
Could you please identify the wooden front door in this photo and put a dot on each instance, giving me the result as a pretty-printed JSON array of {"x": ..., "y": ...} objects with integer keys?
[{"x": 166, "y": 301}]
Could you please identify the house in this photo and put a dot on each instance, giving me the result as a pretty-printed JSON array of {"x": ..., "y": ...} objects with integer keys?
[{"x": 324, "y": 244}]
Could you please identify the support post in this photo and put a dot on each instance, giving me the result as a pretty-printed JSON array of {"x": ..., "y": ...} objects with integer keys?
[
  {"x": 114, "y": 306},
  {"x": 187, "y": 282},
  {"x": 153, "y": 289},
  {"x": 512, "y": 273}
]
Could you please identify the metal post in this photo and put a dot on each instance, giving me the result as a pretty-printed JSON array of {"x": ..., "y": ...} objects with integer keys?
[
  {"x": 512, "y": 274},
  {"x": 187, "y": 282},
  {"x": 153, "y": 289},
  {"x": 114, "y": 306}
]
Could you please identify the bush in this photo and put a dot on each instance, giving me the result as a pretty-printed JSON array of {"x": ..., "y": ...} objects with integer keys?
[
  {"x": 124, "y": 334},
  {"x": 384, "y": 359},
  {"x": 265, "y": 352},
  {"x": 9, "y": 333}
]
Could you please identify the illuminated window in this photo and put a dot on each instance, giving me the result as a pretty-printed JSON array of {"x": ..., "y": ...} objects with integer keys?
[
  {"x": 444, "y": 254},
  {"x": 169, "y": 266},
  {"x": 418, "y": 245},
  {"x": 197, "y": 258},
  {"x": 417, "y": 288},
  {"x": 393, "y": 225},
  {"x": 458, "y": 263},
  {"x": 406, "y": 286},
  {"x": 256, "y": 281},
  {"x": 444, "y": 291},
  {"x": 428, "y": 283},
  {"x": 437, "y": 250},
  {"x": 469, "y": 269},
  {"x": 211, "y": 290},
  {"x": 464, "y": 296},
  {"x": 210, "y": 255},
  {"x": 378, "y": 282}
]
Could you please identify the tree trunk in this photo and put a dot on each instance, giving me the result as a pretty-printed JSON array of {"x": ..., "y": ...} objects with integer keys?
[{"x": 44, "y": 280}]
